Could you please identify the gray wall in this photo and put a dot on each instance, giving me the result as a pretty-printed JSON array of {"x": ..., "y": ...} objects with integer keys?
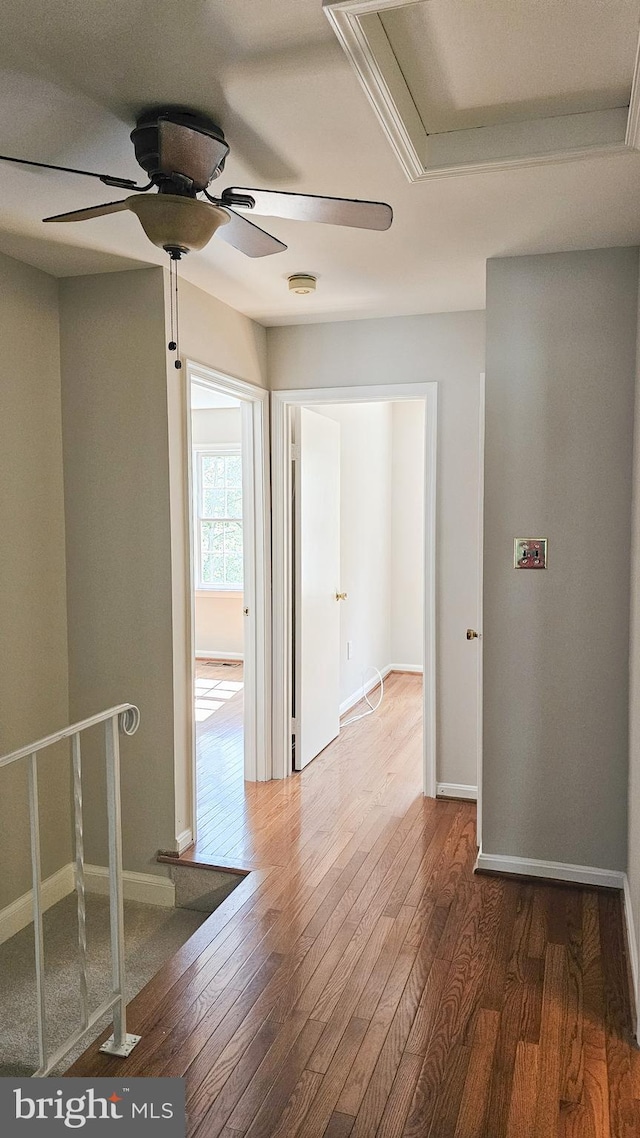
[
  {"x": 33, "y": 632},
  {"x": 214, "y": 334},
  {"x": 448, "y": 348},
  {"x": 116, "y": 475},
  {"x": 561, "y": 332}
]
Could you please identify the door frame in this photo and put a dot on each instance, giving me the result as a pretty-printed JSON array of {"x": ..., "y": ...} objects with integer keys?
[
  {"x": 282, "y": 403},
  {"x": 254, "y": 406},
  {"x": 480, "y": 708}
]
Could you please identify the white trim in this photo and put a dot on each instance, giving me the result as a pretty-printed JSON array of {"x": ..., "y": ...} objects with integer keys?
[
  {"x": 149, "y": 888},
  {"x": 19, "y": 913},
  {"x": 480, "y": 643},
  {"x": 219, "y": 593},
  {"x": 282, "y": 582},
  {"x": 559, "y": 138},
  {"x": 254, "y": 407},
  {"x": 395, "y": 108},
  {"x": 184, "y": 841},
  {"x": 282, "y": 403},
  {"x": 632, "y": 948},
  {"x": 222, "y": 449},
  {"x": 217, "y": 654},
  {"x": 552, "y": 870},
  {"x": 430, "y": 712},
  {"x": 356, "y": 696},
  {"x": 456, "y": 790},
  {"x": 363, "y": 690},
  {"x": 632, "y": 137}
]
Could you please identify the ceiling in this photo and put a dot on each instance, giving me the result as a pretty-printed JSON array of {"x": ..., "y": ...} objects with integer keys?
[
  {"x": 206, "y": 398},
  {"x": 74, "y": 76},
  {"x": 469, "y": 65}
]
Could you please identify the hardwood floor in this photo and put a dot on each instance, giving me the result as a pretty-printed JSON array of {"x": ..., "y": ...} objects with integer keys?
[
  {"x": 363, "y": 982},
  {"x": 219, "y": 758}
]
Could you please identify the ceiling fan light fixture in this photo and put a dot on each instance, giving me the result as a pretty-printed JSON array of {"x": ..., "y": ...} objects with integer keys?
[
  {"x": 181, "y": 151},
  {"x": 302, "y": 283},
  {"x": 177, "y": 223}
]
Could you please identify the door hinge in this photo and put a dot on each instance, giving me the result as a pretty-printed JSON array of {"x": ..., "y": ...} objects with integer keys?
[
  {"x": 295, "y": 452},
  {"x": 294, "y": 726}
]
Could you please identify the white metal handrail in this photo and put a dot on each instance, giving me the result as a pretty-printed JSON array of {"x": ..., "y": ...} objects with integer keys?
[{"x": 125, "y": 717}]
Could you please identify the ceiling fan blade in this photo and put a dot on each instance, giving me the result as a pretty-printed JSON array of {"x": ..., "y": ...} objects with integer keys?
[
  {"x": 120, "y": 183},
  {"x": 312, "y": 207},
  {"x": 249, "y": 238},
  {"x": 92, "y": 211}
]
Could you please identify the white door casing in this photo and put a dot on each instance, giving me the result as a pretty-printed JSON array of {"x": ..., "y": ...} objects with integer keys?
[
  {"x": 283, "y": 404},
  {"x": 316, "y": 583},
  {"x": 254, "y": 406},
  {"x": 479, "y": 643}
]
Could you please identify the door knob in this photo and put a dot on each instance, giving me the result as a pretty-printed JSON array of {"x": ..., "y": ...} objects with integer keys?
[
  {"x": 341, "y": 596},
  {"x": 472, "y": 634}
]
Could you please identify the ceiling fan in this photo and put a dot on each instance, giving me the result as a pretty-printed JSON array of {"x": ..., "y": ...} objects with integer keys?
[{"x": 182, "y": 152}]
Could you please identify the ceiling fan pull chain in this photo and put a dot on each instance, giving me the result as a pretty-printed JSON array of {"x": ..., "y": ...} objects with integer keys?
[
  {"x": 177, "y": 361},
  {"x": 172, "y": 339}
]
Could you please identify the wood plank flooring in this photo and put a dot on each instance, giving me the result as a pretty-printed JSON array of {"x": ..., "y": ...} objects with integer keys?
[
  {"x": 363, "y": 982},
  {"x": 222, "y": 791}
]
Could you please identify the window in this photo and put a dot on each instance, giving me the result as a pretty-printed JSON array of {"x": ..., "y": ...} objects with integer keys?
[{"x": 218, "y": 523}]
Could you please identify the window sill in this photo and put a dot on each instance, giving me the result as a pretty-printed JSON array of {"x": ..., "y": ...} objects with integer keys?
[{"x": 222, "y": 594}]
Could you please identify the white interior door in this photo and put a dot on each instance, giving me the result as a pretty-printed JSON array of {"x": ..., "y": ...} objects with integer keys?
[{"x": 316, "y": 583}]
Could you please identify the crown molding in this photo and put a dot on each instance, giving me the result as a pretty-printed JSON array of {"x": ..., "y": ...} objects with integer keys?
[{"x": 543, "y": 141}]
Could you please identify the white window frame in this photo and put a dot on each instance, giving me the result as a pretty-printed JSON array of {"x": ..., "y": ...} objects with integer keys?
[{"x": 200, "y": 451}]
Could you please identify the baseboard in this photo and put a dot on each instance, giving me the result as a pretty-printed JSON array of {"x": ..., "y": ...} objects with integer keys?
[
  {"x": 19, "y": 913},
  {"x": 360, "y": 692},
  {"x": 149, "y": 888},
  {"x": 215, "y": 654},
  {"x": 633, "y": 954},
  {"x": 551, "y": 870},
  {"x": 183, "y": 841},
  {"x": 146, "y": 887},
  {"x": 456, "y": 790}
]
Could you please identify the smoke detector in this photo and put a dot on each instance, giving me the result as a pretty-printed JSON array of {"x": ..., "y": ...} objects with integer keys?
[{"x": 302, "y": 283}]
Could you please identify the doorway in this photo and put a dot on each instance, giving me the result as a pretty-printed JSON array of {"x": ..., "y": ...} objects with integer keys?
[
  {"x": 355, "y": 651},
  {"x": 229, "y": 611},
  {"x": 358, "y": 556},
  {"x": 219, "y": 603}
]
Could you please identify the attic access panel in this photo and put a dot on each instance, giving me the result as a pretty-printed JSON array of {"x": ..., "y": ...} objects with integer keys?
[{"x": 429, "y": 68}]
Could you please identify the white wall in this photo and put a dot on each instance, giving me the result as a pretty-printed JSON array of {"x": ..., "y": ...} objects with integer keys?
[
  {"x": 381, "y": 535},
  {"x": 216, "y": 426},
  {"x": 219, "y": 621},
  {"x": 407, "y": 533},
  {"x": 447, "y": 348},
  {"x": 561, "y": 357},
  {"x": 34, "y": 698}
]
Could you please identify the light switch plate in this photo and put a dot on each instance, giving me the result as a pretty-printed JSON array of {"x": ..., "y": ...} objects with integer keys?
[{"x": 530, "y": 553}]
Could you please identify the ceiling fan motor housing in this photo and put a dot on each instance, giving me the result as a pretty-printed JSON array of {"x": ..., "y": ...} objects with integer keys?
[{"x": 180, "y": 150}]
